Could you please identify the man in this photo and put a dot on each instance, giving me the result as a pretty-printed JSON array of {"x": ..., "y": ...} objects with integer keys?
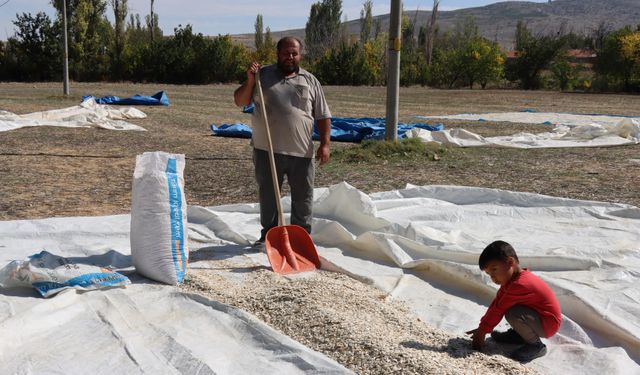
[{"x": 294, "y": 100}]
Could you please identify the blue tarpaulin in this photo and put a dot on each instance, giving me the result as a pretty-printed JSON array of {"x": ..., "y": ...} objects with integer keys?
[
  {"x": 159, "y": 98},
  {"x": 232, "y": 130},
  {"x": 342, "y": 129}
]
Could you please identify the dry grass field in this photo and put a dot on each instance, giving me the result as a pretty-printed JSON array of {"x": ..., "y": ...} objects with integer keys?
[{"x": 52, "y": 171}]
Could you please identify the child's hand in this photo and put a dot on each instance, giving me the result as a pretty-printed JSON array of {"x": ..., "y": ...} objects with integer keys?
[{"x": 477, "y": 339}]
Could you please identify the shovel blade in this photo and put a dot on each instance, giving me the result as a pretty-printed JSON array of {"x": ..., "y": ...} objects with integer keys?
[{"x": 291, "y": 250}]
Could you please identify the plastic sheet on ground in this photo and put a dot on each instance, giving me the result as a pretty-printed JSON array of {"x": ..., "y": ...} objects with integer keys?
[
  {"x": 420, "y": 245},
  {"x": 145, "y": 328},
  {"x": 238, "y": 130},
  {"x": 571, "y": 130},
  {"x": 343, "y": 129},
  {"x": 159, "y": 98},
  {"x": 87, "y": 114},
  {"x": 533, "y": 117},
  {"x": 625, "y": 132}
]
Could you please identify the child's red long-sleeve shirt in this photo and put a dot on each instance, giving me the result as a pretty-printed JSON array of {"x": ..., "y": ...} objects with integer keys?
[{"x": 529, "y": 290}]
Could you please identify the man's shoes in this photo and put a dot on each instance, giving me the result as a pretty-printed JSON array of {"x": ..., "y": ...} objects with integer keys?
[
  {"x": 507, "y": 337},
  {"x": 529, "y": 352},
  {"x": 259, "y": 244}
]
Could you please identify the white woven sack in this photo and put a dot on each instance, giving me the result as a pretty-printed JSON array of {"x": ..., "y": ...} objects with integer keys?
[{"x": 159, "y": 217}]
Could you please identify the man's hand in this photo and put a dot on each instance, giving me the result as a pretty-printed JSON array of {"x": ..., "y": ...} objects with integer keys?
[
  {"x": 324, "y": 129},
  {"x": 477, "y": 339},
  {"x": 242, "y": 95},
  {"x": 323, "y": 154},
  {"x": 251, "y": 72}
]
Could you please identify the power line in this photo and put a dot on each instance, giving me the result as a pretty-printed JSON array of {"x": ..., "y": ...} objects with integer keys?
[{"x": 5, "y": 3}]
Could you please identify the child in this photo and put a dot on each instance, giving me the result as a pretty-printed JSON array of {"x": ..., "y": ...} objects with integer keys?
[{"x": 524, "y": 299}]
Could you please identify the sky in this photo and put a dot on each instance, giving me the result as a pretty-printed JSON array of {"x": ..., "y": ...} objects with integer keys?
[{"x": 213, "y": 17}]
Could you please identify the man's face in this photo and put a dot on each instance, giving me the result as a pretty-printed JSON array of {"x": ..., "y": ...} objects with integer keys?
[
  {"x": 289, "y": 57},
  {"x": 500, "y": 271}
]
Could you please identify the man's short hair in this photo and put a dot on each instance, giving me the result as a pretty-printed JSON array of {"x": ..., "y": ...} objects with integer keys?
[
  {"x": 498, "y": 250},
  {"x": 286, "y": 40}
]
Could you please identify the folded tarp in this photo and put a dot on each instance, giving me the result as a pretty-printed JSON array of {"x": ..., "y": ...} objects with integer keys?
[
  {"x": 625, "y": 132},
  {"x": 87, "y": 114},
  {"x": 359, "y": 129},
  {"x": 529, "y": 116},
  {"x": 159, "y": 98},
  {"x": 342, "y": 129},
  {"x": 232, "y": 130}
]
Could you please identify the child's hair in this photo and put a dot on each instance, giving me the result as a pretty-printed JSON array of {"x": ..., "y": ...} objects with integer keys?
[{"x": 498, "y": 250}]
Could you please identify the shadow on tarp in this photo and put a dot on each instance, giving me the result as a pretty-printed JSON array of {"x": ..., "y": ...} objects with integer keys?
[
  {"x": 223, "y": 252},
  {"x": 111, "y": 259},
  {"x": 20, "y": 292},
  {"x": 444, "y": 279},
  {"x": 459, "y": 347},
  {"x": 456, "y": 347}
]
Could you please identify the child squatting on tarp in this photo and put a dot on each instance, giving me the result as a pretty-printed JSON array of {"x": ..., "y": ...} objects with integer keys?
[{"x": 526, "y": 301}]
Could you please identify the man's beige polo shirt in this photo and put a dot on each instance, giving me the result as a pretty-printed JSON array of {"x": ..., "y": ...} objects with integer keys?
[{"x": 292, "y": 104}]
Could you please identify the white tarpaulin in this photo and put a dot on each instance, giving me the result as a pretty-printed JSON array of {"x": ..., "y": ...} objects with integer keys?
[
  {"x": 145, "y": 328},
  {"x": 419, "y": 244},
  {"x": 528, "y": 117},
  {"x": 87, "y": 114},
  {"x": 570, "y": 131}
]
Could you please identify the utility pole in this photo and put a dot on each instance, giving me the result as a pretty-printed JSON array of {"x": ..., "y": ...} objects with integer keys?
[
  {"x": 65, "y": 71},
  {"x": 393, "y": 76}
]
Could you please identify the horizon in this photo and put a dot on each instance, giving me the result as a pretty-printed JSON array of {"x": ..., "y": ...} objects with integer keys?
[{"x": 212, "y": 19}]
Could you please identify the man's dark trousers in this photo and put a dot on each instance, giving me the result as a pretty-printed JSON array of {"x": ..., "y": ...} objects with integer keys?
[{"x": 300, "y": 175}]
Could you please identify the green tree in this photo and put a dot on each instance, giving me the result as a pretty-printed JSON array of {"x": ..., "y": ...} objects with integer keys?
[
  {"x": 231, "y": 59},
  {"x": 446, "y": 68},
  {"x": 366, "y": 22},
  {"x": 259, "y": 33},
  {"x": 322, "y": 30},
  {"x": 492, "y": 63},
  {"x": 483, "y": 61},
  {"x": 265, "y": 46},
  {"x": 33, "y": 53},
  {"x": 119, "y": 40},
  {"x": 631, "y": 51},
  {"x": 413, "y": 67},
  {"x": 611, "y": 64},
  {"x": 563, "y": 72},
  {"x": 269, "y": 47},
  {"x": 143, "y": 59},
  {"x": 90, "y": 36},
  {"x": 465, "y": 58},
  {"x": 344, "y": 65},
  {"x": 533, "y": 54},
  {"x": 153, "y": 28}
]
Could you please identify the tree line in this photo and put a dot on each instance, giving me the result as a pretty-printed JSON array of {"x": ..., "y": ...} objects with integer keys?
[{"x": 134, "y": 49}]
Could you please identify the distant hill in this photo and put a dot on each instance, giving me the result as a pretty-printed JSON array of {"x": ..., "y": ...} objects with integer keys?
[{"x": 498, "y": 21}]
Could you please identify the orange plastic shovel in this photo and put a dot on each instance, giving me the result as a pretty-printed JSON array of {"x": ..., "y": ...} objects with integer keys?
[{"x": 289, "y": 247}]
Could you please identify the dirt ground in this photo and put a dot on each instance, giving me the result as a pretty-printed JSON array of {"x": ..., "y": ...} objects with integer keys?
[{"x": 49, "y": 171}]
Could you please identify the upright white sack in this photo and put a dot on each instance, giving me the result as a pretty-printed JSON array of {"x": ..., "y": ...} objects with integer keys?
[{"x": 159, "y": 217}]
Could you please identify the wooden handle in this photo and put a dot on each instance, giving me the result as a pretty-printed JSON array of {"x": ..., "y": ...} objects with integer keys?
[{"x": 272, "y": 159}]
